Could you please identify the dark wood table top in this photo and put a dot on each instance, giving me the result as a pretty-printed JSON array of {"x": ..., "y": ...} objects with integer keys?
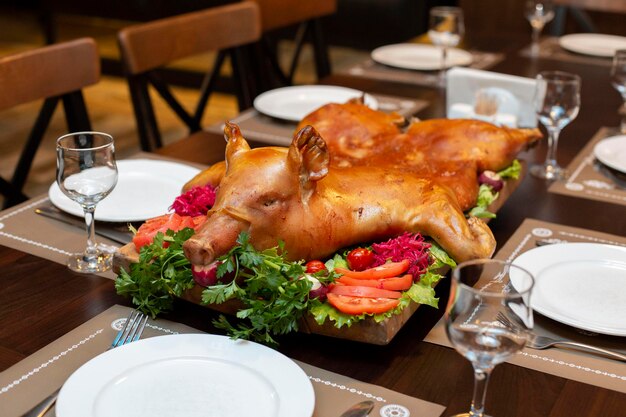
[{"x": 40, "y": 300}]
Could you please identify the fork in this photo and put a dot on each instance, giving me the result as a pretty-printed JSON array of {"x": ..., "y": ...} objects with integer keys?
[
  {"x": 534, "y": 341},
  {"x": 131, "y": 332}
]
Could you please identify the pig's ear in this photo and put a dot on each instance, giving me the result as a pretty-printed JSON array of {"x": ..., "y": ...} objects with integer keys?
[
  {"x": 236, "y": 142},
  {"x": 308, "y": 155}
]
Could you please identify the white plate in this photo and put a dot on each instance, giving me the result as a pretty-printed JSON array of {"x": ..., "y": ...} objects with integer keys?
[
  {"x": 145, "y": 188},
  {"x": 419, "y": 57},
  {"x": 612, "y": 152},
  {"x": 580, "y": 284},
  {"x": 595, "y": 44},
  {"x": 188, "y": 375},
  {"x": 294, "y": 103}
]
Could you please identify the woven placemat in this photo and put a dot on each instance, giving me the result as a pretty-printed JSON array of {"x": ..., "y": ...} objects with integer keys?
[
  {"x": 591, "y": 179},
  {"x": 29, "y": 381},
  {"x": 375, "y": 71},
  {"x": 549, "y": 48},
  {"x": 576, "y": 365}
]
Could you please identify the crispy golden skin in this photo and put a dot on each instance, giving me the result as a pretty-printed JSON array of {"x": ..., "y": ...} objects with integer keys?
[{"x": 294, "y": 195}]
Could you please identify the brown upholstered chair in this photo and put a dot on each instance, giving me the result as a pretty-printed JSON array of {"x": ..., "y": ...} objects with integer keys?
[
  {"x": 281, "y": 14},
  {"x": 577, "y": 9},
  {"x": 53, "y": 73},
  {"x": 147, "y": 47}
]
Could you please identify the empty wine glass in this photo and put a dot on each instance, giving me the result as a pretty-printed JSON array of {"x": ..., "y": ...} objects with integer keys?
[
  {"x": 488, "y": 317},
  {"x": 618, "y": 79},
  {"x": 557, "y": 101},
  {"x": 87, "y": 173},
  {"x": 446, "y": 28},
  {"x": 538, "y": 13}
]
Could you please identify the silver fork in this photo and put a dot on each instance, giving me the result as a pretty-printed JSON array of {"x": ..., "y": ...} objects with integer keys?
[
  {"x": 534, "y": 341},
  {"x": 131, "y": 332}
]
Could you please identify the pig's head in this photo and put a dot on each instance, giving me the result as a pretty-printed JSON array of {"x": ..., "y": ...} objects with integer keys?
[{"x": 265, "y": 191}]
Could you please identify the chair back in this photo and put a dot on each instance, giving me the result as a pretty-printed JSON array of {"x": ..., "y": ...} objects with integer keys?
[
  {"x": 147, "y": 47},
  {"x": 578, "y": 9},
  {"x": 53, "y": 73},
  {"x": 280, "y": 14}
]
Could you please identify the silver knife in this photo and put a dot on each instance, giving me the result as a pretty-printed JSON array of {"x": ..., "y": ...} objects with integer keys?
[
  {"x": 361, "y": 409},
  {"x": 114, "y": 235}
]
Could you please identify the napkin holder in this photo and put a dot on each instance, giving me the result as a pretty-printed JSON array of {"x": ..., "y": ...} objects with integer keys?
[{"x": 514, "y": 95}]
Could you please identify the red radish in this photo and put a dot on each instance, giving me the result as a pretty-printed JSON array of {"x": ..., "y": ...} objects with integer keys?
[{"x": 491, "y": 178}]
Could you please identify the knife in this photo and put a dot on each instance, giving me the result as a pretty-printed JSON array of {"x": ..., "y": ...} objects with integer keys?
[
  {"x": 361, "y": 409},
  {"x": 112, "y": 234}
]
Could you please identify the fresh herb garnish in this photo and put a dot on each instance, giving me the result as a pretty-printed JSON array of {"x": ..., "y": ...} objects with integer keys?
[
  {"x": 486, "y": 194},
  {"x": 274, "y": 292},
  {"x": 160, "y": 275}
]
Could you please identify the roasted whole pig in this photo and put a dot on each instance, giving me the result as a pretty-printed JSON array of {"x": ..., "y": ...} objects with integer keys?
[
  {"x": 295, "y": 195},
  {"x": 354, "y": 175}
]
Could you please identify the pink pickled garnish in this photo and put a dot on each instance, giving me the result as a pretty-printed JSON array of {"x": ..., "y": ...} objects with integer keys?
[
  {"x": 194, "y": 202},
  {"x": 409, "y": 246}
]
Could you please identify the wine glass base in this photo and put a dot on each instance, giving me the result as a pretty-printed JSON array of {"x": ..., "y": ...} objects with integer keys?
[
  {"x": 548, "y": 172},
  {"x": 101, "y": 262},
  {"x": 468, "y": 415}
]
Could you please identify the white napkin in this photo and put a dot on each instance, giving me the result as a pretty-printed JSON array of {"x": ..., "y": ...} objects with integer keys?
[{"x": 514, "y": 96}]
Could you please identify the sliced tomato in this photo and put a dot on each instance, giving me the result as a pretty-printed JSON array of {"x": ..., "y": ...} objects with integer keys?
[
  {"x": 362, "y": 291},
  {"x": 148, "y": 230},
  {"x": 359, "y": 305},
  {"x": 388, "y": 270},
  {"x": 394, "y": 284}
]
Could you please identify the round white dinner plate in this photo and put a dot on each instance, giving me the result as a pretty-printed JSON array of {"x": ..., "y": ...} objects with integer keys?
[
  {"x": 416, "y": 56},
  {"x": 579, "y": 284},
  {"x": 595, "y": 44},
  {"x": 190, "y": 375},
  {"x": 145, "y": 188},
  {"x": 612, "y": 152},
  {"x": 294, "y": 103}
]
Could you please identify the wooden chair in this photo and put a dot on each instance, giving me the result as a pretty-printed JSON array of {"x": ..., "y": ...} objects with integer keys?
[
  {"x": 53, "y": 73},
  {"x": 577, "y": 9},
  {"x": 147, "y": 47},
  {"x": 281, "y": 14}
]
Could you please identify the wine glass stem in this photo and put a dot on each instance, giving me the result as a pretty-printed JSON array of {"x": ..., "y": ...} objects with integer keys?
[
  {"x": 553, "y": 142},
  {"x": 481, "y": 379},
  {"x": 91, "y": 252},
  {"x": 535, "y": 35},
  {"x": 622, "y": 112},
  {"x": 442, "y": 72}
]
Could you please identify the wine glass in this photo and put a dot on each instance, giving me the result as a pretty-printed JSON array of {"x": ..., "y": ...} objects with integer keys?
[
  {"x": 87, "y": 173},
  {"x": 488, "y": 317},
  {"x": 557, "y": 101},
  {"x": 538, "y": 13},
  {"x": 446, "y": 28},
  {"x": 618, "y": 79}
]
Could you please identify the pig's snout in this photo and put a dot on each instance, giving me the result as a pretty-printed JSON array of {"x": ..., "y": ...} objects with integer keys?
[{"x": 199, "y": 251}]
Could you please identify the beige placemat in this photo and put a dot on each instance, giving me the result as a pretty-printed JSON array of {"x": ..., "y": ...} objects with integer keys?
[
  {"x": 265, "y": 129},
  {"x": 25, "y": 384},
  {"x": 565, "y": 363},
  {"x": 22, "y": 229},
  {"x": 590, "y": 179},
  {"x": 549, "y": 48},
  {"x": 373, "y": 70}
]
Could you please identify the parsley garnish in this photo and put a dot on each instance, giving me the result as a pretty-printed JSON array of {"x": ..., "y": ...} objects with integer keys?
[{"x": 160, "y": 275}]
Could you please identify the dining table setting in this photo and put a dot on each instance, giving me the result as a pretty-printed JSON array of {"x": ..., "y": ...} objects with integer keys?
[{"x": 524, "y": 313}]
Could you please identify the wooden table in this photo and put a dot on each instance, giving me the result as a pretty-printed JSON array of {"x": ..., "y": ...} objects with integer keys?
[{"x": 40, "y": 301}]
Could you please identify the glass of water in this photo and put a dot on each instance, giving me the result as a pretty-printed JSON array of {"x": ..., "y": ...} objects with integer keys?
[
  {"x": 488, "y": 317},
  {"x": 87, "y": 173},
  {"x": 446, "y": 28},
  {"x": 618, "y": 80},
  {"x": 538, "y": 13},
  {"x": 557, "y": 102}
]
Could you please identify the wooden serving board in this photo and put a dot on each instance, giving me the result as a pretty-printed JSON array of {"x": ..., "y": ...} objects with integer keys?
[{"x": 366, "y": 331}]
